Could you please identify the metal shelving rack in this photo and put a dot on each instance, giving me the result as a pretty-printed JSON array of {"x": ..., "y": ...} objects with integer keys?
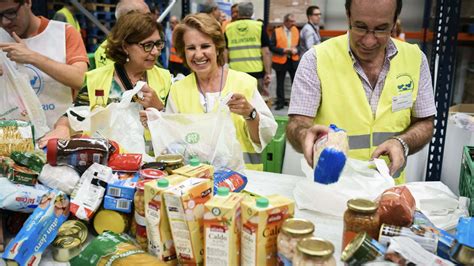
[{"x": 442, "y": 66}]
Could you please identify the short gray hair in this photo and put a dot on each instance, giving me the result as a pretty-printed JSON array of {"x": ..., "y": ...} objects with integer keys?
[
  {"x": 125, "y": 6},
  {"x": 245, "y": 9}
]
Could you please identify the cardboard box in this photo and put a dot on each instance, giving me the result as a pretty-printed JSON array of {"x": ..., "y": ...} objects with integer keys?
[{"x": 462, "y": 108}]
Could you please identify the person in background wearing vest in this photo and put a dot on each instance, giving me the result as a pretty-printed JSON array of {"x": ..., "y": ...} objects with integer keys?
[
  {"x": 200, "y": 41},
  {"x": 284, "y": 45},
  {"x": 66, "y": 14},
  {"x": 53, "y": 53},
  {"x": 309, "y": 35},
  {"x": 122, "y": 8},
  {"x": 247, "y": 47},
  {"x": 134, "y": 43},
  {"x": 375, "y": 87},
  {"x": 175, "y": 64}
]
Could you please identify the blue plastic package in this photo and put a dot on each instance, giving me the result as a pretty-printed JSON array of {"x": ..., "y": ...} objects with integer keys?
[{"x": 231, "y": 179}]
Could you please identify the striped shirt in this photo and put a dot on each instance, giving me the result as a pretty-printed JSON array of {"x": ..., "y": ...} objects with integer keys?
[{"x": 307, "y": 85}]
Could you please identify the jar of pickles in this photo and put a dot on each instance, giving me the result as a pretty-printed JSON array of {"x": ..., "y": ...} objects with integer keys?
[
  {"x": 138, "y": 225},
  {"x": 361, "y": 216},
  {"x": 314, "y": 252},
  {"x": 292, "y": 230}
]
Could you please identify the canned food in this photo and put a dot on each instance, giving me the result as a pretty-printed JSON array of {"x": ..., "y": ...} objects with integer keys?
[
  {"x": 150, "y": 173},
  {"x": 172, "y": 161},
  {"x": 110, "y": 220},
  {"x": 292, "y": 230},
  {"x": 314, "y": 251},
  {"x": 463, "y": 254},
  {"x": 362, "y": 249},
  {"x": 68, "y": 243},
  {"x": 422, "y": 235},
  {"x": 360, "y": 216}
]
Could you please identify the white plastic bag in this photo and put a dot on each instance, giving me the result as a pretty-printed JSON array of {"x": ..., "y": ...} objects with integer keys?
[
  {"x": 118, "y": 121},
  {"x": 359, "y": 179},
  {"x": 210, "y": 136},
  {"x": 18, "y": 99}
]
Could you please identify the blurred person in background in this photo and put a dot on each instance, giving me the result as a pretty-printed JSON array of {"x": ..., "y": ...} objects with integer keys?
[
  {"x": 175, "y": 64},
  {"x": 134, "y": 44},
  {"x": 212, "y": 9},
  {"x": 66, "y": 14},
  {"x": 122, "y": 8},
  {"x": 200, "y": 41},
  {"x": 247, "y": 48},
  {"x": 284, "y": 45},
  {"x": 309, "y": 34},
  {"x": 53, "y": 53}
]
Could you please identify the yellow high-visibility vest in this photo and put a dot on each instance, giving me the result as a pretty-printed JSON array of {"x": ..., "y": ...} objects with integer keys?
[
  {"x": 245, "y": 46},
  {"x": 70, "y": 18}
]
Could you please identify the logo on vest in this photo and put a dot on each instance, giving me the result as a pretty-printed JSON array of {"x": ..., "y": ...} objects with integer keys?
[
  {"x": 242, "y": 29},
  {"x": 36, "y": 79},
  {"x": 404, "y": 83},
  {"x": 192, "y": 138}
]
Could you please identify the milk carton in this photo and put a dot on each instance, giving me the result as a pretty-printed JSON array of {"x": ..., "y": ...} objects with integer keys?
[
  {"x": 160, "y": 241},
  {"x": 261, "y": 222},
  {"x": 185, "y": 208},
  {"x": 222, "y": 226}
]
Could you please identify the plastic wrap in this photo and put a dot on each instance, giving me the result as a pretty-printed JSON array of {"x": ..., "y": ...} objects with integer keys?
[{"x": 397, "y": 206}]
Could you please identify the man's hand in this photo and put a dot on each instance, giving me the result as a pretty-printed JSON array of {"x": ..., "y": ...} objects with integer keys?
[
  {"x": 18, "y": 52},
  {"x": 267, "y": 79},
  {"x": 394, "y": 150},
  {"x": 311, "y": 135}
]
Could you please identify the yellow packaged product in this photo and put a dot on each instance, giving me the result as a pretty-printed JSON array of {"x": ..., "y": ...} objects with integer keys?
[
  {"x": 222, "y": 227},
  {"x": 160, "y": 241},
  {"x": 196, "y": 169},
  {"x": 185, "y": 208},
  {"x": 262, "y": 219}
]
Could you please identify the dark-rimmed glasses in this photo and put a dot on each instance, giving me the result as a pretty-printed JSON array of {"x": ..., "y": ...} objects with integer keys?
[
  {"x": 361, "y": 31},
  {"x": 10, "y": 14},
  {"x": 148, "y": 46}
]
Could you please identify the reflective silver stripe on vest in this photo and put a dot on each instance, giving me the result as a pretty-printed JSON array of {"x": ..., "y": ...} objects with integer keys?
[
  {"x": 245, "y": 47},
  {"x": 243, "y": 59},
  {"x": 379, "y": 137},
  {"x": 252, "y": 158},
  {"x": 359, "y": 142}
]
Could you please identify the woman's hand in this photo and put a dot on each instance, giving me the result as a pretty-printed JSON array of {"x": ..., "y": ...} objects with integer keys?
[
  {"x": 150, "y": 99},
  {"x": 60, "y": 132},
  {"x": 239, "y": 105}
]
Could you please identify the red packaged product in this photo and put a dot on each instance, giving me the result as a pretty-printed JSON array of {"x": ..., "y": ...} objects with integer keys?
[
  {"x": 128, "y": 162},
  {"x": 396, "y": 206}
]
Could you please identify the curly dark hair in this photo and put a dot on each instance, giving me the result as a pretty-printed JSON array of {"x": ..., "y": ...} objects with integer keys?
[
  {"x": 398, "y": 10},
  {"x": 132, "y": 27},
  {"x": 205, "y": 24}
]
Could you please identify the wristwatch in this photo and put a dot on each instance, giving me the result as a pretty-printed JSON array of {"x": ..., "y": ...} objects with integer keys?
[
  {"x": 406, "y": 149},
  {"x": 252, "y": 115}
]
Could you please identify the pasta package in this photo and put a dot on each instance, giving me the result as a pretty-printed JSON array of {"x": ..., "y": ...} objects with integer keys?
[
  {"x": 16, "y": 135},
  {"x": 113, "y": 249}
]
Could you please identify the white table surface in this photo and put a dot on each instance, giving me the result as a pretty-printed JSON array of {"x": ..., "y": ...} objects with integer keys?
[{"x": 264, "y": 184}]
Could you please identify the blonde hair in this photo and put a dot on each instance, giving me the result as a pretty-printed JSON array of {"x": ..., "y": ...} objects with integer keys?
[{"x": 205, "y": 24}]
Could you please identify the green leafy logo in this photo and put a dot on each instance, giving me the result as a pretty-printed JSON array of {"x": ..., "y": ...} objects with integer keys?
[{"x": 192, "y": 138}]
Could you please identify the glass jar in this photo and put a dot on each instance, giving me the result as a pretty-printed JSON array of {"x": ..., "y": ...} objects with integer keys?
[
  {"x": 292, "y": 230},
  {"x": 172, "y": 161},
  {"x": 314, "y": 251},
  {"x": 138, "y": 225},
  {"x": 361, "y": 216}
]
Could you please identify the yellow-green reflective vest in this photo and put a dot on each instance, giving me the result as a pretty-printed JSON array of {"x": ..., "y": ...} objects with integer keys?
[
  {"x": 101, "y": 79},
  {"x": 70, "y": 18},
  {"x": 100, "y": 57},
  {"x": 343, "y": 99},
  {"x": 185, "y": 95},
  {"x": 245, "y": 46}
]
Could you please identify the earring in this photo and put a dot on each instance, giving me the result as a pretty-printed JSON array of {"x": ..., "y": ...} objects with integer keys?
[{"x": 128, "y": 59}]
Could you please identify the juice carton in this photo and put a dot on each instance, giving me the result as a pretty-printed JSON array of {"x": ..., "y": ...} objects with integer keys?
[
  {"x": 261, "y": 222},
  {"x": 160, "y": 241},
  {"x": 222, "y": 227},
  {"x": 196, "y": 169},
  {"x": 185, "y": 208}
]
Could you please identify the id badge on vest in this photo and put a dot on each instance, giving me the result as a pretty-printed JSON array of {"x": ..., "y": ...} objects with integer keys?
[{"x": 402, "y": 102}]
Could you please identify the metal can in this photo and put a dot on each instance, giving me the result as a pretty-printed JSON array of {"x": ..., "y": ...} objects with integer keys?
[
  {"x": 422, "y": 235},
  {"x": 314, "y": 251},
  {"x": 362, "y": 249},
  {"x": 292, "y": 230},
  {"x": 172, "y": 161},
  {"x": 463, "y": 254},
  {"x": 68, "y": 243},
  {"x": 108, "y": 220}
]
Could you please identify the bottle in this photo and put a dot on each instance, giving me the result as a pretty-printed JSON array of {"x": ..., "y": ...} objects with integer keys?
[{"x": 99, "y": 99}]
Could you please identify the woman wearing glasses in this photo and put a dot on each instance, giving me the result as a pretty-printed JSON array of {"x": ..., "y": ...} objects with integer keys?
[
  {"x": 134, "y": 44},
  {"x": 200, "y": 41}
]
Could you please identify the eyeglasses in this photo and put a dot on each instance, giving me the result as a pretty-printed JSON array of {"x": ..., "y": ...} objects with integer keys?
[
  {"x": 364, "y": 31},
  {"x": 10, "y": 14},
  {"x": 316, "y": 14},
  {"x": 148, "y": 46}
]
